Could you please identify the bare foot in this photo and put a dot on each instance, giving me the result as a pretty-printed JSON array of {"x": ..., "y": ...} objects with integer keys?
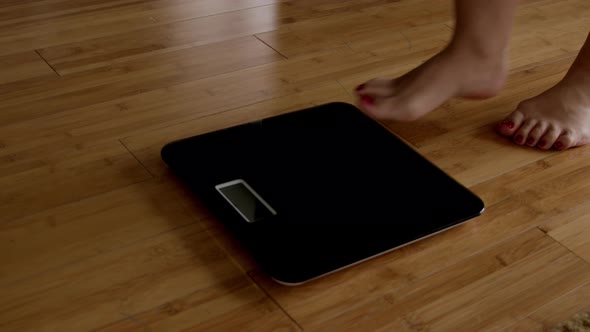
[
  {"x": 558, "y": 118},
  {"x": 455, "y": 72}
]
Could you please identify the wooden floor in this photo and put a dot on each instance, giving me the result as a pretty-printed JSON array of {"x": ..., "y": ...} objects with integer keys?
[{"x": 97, "y": 235}]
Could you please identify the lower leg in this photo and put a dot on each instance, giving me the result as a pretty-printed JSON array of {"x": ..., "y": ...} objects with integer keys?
[
  {"x": 484, "y": 27},
  {"x": 473, "y": 65},
  {"x": 482, "y": 35}
]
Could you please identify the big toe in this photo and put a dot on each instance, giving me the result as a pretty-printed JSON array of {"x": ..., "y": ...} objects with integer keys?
[
  {"x": 378, "y": 87},
  {"x": 511, "y": 124}
]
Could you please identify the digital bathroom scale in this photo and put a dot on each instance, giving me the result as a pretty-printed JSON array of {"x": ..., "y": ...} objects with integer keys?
[{"x": 313, "y": 191}]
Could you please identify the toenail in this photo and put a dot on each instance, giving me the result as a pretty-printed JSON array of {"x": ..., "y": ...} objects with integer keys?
[
  {"x": 559, "y": 145},
  {"x": 518, "y": 139},
  {"x": 530, "y": 141},
  {"x": 542, "y": 144},
  {"x": 360, "y": 87},
  {"x": 368, "y": 99},
  {"x": 509, "y": 124}
]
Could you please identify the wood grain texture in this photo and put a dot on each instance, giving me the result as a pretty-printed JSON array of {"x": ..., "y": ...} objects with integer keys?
[
  {"x": 159, "y": 40},
  {"x": 497, "y": 291},
  {"x": 377, "y": 34},
  {"x": 127, "y": 79},
  {"x": 572, "y": 231},
  {"x": 102, "y": 223},
  {"x": 169, "y": 278},
  {"x": 553, "y": 185},
  {"x": 25, "y": 66},
  {"x": 47, "y": 24},
  {"x": 147, "y": 146},
  {"x": 200, "y": 95},
  {"x": 556, "y": 312},
  {"x": 96, "y": 234},
  {"x": 45, "y": 177},
  {"x": 331, "y": 296}
]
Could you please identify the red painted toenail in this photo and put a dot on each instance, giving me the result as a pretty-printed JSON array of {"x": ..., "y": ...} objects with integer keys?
[
  {"x": 559, "y": 145},
  {"x": 509, "y": 124},
  {"x": 542, "y": 144},
  {"x": 360, "y": 87},
  {"x": 530, "y": 141},
  {"x": 518, "y": 139},
  {"x": 368, "y": 99}
]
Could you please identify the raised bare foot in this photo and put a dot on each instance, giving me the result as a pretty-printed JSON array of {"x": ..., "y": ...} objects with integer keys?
[
  {"x": 558, "y": 118},
  {"x": 455, "y": 72}
]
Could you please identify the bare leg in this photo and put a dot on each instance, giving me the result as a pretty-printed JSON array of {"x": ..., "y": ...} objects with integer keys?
[
  {"x": 560, "y": 116},
  {"x": 474, "y": 65}
]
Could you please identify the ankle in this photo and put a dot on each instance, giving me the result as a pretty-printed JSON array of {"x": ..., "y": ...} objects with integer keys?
[
  {"x": 480, "y": 48},
  {"x": 484, "y": 72}
]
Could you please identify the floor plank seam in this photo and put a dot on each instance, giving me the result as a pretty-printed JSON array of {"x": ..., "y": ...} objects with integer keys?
[
  {"x": 211, "y": 232},
  {"x": 564, "y": 246},
  {"x": 262, "y": 289},
  {"x": 178, "y": 48},
  {"x": 272, "y": 48},
  {"x": 222, "y": 13},
  {"x": 137, "y": 159},
  {"x": 481, "y": 250},
  {"x": 573, "y": 290},
  {"x": 327, "y": 83},
  {"x": 195, "y": 18},
  {"x": 345, "y": 89},
  {"x": 252, "y": 279},
  {"x": 147, "y": 55},
  {"x": 440, "y": 270},
  {"x": 48, "y": 64},
  {"x": 517, "y": 70},
  {"x": 572, "y": 209},
  {"x": 108, "y": 35}
]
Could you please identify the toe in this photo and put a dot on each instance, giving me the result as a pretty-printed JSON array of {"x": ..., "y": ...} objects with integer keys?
[
  {"x": 548, "y": 140},
  {"x": 367, "y": 104},
  {"x": 378, "y": 87},
  {"x": 386, "y": 109},
  {"x": 373, "y": 106},
  {"x": 522, "y": 134},
  {"x": 565, "y": 141},
  {"x": 378, "y": 108},
  {"x": 536, "y": 133},
  {"x": 511, "y": 124}
]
